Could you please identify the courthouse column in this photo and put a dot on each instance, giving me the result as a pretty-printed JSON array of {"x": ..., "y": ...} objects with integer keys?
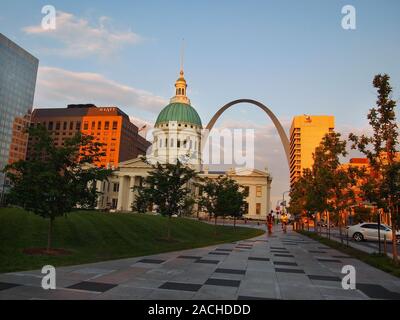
[
  {"x": 121, "y": 190},
  {"x": 131, "y": 194}
]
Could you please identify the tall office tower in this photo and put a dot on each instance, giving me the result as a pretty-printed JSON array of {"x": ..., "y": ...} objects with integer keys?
[
  {"x": 18, "y": 71},
  {"x": 306, "y": 134},
  {"x": 108, "y": 125}
]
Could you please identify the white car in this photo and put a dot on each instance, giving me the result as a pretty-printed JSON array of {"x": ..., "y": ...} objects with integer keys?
[{"x": 369, "y": 231}]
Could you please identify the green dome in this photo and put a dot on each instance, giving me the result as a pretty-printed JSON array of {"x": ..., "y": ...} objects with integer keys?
[{"x": 180, "y": 112}]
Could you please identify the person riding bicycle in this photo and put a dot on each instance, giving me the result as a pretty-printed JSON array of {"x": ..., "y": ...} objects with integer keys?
[
  {"x": 284, "y": 221},
  {"x": 270, "y": 221}
]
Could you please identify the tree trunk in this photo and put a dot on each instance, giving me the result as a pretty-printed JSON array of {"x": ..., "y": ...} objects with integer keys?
[
  {"x": 394, "y": 238},
  {"x": 50, "y": 234},
  {"x": 234, "y": 222},
  {"x": 215, "y": 224},
  {"x": 169, "y": 228},
  {"x": 340, "y": 228}
]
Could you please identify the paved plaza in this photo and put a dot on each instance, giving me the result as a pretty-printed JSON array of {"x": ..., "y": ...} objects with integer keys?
[{"x": 284, "y": 266}]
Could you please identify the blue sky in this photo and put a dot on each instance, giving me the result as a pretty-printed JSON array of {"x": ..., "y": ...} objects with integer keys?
[{"x": 293, "y": 56}]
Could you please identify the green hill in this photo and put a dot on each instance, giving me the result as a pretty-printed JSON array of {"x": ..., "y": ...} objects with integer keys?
[{"x": 94, "y": 236}]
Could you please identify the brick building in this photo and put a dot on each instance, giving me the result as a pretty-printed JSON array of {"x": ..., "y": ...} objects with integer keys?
[{"x": 109, "y": 125}]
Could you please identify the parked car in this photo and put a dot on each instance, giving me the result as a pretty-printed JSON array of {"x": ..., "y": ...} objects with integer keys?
[{"x": 369, "y": 231}]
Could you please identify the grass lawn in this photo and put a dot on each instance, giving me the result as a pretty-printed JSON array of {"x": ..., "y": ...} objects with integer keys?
[
  {"x": 379, "y": 261},
  {"x": 94, "y": 236}
]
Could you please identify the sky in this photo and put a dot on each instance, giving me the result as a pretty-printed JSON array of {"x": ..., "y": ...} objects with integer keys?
[{"x": 293, "y": 56}]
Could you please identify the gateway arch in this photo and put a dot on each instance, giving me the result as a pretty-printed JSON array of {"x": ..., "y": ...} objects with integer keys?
[{"x": 278, "y": 126}]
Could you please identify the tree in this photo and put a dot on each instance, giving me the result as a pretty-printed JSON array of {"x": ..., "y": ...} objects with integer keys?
[
  {"x": 166, "y": 186},
  {"x": 299, "y": 204},
  {"x": 381, "y": 150},
  {"x": 326, "y": 187},
  {"x": 56, "y": 179},
  {"x": 223, "y": 196}
]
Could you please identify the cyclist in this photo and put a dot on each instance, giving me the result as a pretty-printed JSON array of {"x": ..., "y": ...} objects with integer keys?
[
  {"x": 270, "y": 221},
  {"x": 284, "y": 221}
]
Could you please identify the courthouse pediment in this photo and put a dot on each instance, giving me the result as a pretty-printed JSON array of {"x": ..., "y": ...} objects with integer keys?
[
  {"x": 134, "y": 163},
  {"x": 247, "y": 172}
]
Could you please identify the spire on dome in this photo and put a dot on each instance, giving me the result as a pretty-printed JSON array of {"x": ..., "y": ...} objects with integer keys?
[{"x": 180, "y": 84}]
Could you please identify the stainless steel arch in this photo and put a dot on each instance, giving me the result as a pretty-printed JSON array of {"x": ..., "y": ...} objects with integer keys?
[{"x": 278, "y": 126}]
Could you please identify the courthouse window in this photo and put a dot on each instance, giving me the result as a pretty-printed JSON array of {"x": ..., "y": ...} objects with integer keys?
[
  {"x": 258, "y": 208},
  {"x": 258, "y": 191}
]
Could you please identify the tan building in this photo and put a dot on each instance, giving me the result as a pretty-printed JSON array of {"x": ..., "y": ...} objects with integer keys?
[
  {"x": 257, "y": 182},
  {"x": 306, "y": 133},
  {"x": 177, "y": 135}
]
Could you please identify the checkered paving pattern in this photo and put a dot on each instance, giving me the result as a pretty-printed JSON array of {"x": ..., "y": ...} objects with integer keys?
[{"x": 281, "y": 266}]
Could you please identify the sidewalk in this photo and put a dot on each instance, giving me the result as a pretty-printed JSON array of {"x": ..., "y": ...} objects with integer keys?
[{"x": 283, "y": 266}]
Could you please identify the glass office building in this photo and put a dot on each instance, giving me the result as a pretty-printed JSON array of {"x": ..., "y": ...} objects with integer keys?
[{"x": 18, "y": 71}]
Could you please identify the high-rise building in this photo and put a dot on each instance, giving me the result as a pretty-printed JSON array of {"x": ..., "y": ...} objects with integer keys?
[
  {"x": 18, "y": 71},
  {"x": 306, "y": 134},
  {"x": 108, "y": 125}
]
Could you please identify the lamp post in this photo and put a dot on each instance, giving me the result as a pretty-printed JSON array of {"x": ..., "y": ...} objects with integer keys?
[{"x": 283, "y": 200}]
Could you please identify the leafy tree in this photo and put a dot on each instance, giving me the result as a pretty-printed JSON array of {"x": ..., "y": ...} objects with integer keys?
[
  {"x": 167, "y": 187},
  {"x": 223, "y": 197},
  {"x": 326, "y": 187},
  {"x": 56, "y": 179},
  {"x": 381, "y": 150}
]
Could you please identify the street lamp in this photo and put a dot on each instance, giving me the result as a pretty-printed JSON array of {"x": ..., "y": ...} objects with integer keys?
[{"x": 283, "y": 201}]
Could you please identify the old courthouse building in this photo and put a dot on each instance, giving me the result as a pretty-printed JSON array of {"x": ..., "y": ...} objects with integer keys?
[{"x": 178, "y": 135}]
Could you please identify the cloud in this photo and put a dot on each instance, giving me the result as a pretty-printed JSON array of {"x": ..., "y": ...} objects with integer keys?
[
  {"x": 58, "y": 87},
  {"x": 79, "y": 39}
]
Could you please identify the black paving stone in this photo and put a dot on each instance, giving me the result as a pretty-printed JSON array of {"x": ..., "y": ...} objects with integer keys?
[
  {"x": 258, "y": 259},
  {"x": 284, "y": 263},
  {"x": 157, "y": 261},
  {"x": 278, "y": 248},
  {"x": 223, "y": 282},
  {"x": 329, "y": 260},
  {"x": 207, "y": 261},
  {"x": 230, "y": 271},
  {"x": 219, "y": 253},
  {"x": 324, "y": 278},
  {"x": 92, "y": 286},
  {"x": 6, "y": 285},
  {"x": 181, "y": 286},
  {"x": 343, "y": 257},
  {"x": 284, "y": 255},
  {"x": 376, "y": 291},
  {"x": 223, "y": 249},
  {"x": 285, "y": 270},
  {"x": 189, "y": 257},
  {"x": 317, "y": 251},
  {"x": 253, "y": 298}
]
